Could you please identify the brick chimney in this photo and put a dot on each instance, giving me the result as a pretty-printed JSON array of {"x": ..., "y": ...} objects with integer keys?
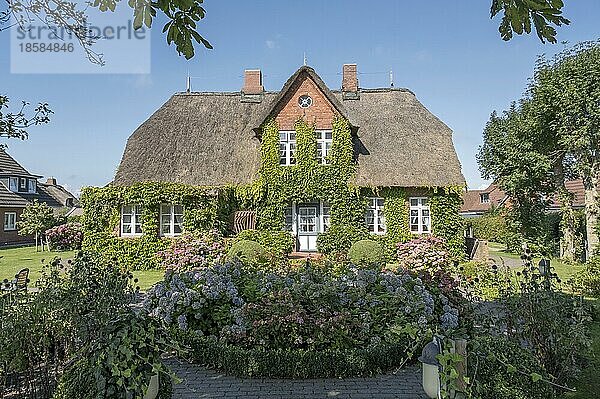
[
  {"x": 51, "y": 181},
  {"x": 349, "y": 79},
  {"x": 349, "y": 82},
  {"x": 253, "y": 82}
]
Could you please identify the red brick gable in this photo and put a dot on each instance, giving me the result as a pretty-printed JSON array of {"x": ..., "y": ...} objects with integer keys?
[{"x": 288, "y": 111}]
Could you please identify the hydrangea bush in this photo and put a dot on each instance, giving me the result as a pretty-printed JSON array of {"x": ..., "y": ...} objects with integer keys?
[
  {"x": 423, "y": 253},
  {"x": 305, "y": 308},
  {"x": 193, "y": 251},
  {"x": 65, "y": 237}
]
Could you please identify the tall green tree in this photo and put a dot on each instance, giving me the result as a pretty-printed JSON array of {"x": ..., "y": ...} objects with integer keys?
[
  {"x": 36, "y": 218},
  {"x": 552, "y": 136}
]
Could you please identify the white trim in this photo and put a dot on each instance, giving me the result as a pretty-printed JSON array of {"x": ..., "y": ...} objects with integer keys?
[
  {"x": 322, "y": 216},
  {"x": 172, "y": 224},
  {"x": 378, "y": 213},
  {"x": 290, "y": 147},
  {"x": 325, "y": 151},
  {"x": 7, "y": 227},
  {"x": 423, "y": 211},
  {"x": 135, "y": 220}
]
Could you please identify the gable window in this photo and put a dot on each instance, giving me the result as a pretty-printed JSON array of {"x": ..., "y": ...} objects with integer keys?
[
  {"x": 10, "y": 221},
  {"x": 131, "y": 220},
  {"x": 32, "y": 186},
  {"x": 171, "y": 219},
  {"x": 375, "y": 217},
  {"x": 324, "y": 139},
  {"x": 13, "y": 183},
  {"x": 420, "y": 218},
  {"x": 484, "y": 198},
  {"x": 287, "y": 148}
]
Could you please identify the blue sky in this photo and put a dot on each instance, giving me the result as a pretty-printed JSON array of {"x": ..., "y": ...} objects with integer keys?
[{"x": 448, "y": 52}]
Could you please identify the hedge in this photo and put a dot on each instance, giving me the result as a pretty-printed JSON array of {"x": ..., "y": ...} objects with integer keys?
[{"x": 296, "y": 364}]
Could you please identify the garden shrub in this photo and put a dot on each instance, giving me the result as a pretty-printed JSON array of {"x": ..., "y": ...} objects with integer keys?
[
  {"x": 587, "y": 281},
  {"x": 490, "y": 226},
  {"x": 338, "y": 239},
  {"x": 423, "y": 253},
  {"x": 306, "y": 309},
  {"x": 79, "y": 322},
  {"x": 191, "y": 251},
  {"x": 248, "y": 252},
  {"x": 278, "y": 244},
  {"x": 296, "y": 363},
  {"x": 502, "y": 369},
  {"x": 65, "y": 237},
  {"x": 367, "y": 252},
  {"x": 533, "y": 311}
]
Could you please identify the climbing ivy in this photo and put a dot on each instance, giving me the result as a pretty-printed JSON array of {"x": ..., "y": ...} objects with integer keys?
[{"x": 275, "y": 188}]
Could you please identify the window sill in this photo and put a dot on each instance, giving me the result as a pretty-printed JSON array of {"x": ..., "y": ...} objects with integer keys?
[
  {"x": 381, "y": 233},
  {"x": 9, "y": 230},
  {"x": 129, "y": 235}
]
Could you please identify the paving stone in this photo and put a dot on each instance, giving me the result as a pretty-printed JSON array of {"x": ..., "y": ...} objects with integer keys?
[{"x": 199, "y": 382}]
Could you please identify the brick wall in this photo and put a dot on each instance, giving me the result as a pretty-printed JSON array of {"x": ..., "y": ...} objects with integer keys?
[{"x": 321, "y": 112}]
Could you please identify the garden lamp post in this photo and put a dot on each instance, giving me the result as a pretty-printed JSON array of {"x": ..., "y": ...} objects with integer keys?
[
  {"x": 431, "y": 371},
  {"x": 544, "y": 266}
]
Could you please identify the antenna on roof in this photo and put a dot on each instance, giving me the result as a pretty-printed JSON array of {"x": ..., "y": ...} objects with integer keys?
[
  {"x": 391, "y": 78},
  {"x": 188, "y": 85},
  {"x": 305, "y": 58}
]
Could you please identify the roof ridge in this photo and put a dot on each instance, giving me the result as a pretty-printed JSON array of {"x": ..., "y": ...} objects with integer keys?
[{"x": 336, "y": 91}]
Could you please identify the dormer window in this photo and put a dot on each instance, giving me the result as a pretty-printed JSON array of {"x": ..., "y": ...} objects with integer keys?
[
  {"x": 484, "y": 198},
  {"x": 32, "y": 186},
  {"x": 22, "y": 185}
]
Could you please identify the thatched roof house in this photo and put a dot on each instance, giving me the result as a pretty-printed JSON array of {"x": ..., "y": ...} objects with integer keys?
[
  {"x": 388, "y": 140},
  {"x": 211, "y": 138}
]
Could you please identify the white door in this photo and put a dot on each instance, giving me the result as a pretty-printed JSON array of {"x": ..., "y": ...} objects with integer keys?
[{"x": 308, "y": 227}]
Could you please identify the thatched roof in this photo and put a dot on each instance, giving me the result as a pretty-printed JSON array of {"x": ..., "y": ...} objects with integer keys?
[{"x": 209, "y": 139}]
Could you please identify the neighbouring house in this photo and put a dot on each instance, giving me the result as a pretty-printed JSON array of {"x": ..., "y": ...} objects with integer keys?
[
  {"x": 18, "y": 188},
  {"x": 327, "y": 166},
  {"x": 478, "y": 202}
]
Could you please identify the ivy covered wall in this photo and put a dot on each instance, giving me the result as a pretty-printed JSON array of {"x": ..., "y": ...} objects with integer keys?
[{"x": 275, "y": 188}]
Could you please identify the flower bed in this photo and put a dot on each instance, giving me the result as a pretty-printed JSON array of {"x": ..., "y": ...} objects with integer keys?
[
  {"x": 65, "y": 237},
  {"x": 309, "y": 321}
]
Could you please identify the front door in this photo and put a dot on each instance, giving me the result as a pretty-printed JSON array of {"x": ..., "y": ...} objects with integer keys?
[{"x": 308, "y": 227}]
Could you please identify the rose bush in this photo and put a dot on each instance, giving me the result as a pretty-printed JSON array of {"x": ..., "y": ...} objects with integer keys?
[{"x": 65, "y": 237}]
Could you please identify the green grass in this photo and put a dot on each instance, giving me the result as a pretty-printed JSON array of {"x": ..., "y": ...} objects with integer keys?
[
  {"x": 147, "y": 278},
  {"x": 14, "y": 259}
]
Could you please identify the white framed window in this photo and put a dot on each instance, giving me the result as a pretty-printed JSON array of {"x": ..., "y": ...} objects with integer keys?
[
  {"x": 23, "y": 185},
  {"x": 287, "y": 147},
  {"x": 420, "y": 216},
  {"x": 131, "y": 220},
  {"x": 375, "y": 216},
  {"x": 484, "y": 198},
  {"x": 13, "y": 184},
  {"x": 10, "y": 221},
  {"x": 289, "y": 218},
  {"x": 324, "y": 140},
  {"x": 32, "y": 186},
  {"x": 171, "y": 219},
  {"x": 325, "y": 218}
]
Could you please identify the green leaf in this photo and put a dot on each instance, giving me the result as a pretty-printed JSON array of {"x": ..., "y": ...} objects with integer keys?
[{"x": 535, "y": 377}]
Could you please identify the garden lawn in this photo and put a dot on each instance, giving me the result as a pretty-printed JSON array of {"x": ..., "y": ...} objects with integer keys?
[
  {"x": 147, "y": 278},
  {"x": 564, "y": 270},
  {"x": 14, "y": 259}
]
